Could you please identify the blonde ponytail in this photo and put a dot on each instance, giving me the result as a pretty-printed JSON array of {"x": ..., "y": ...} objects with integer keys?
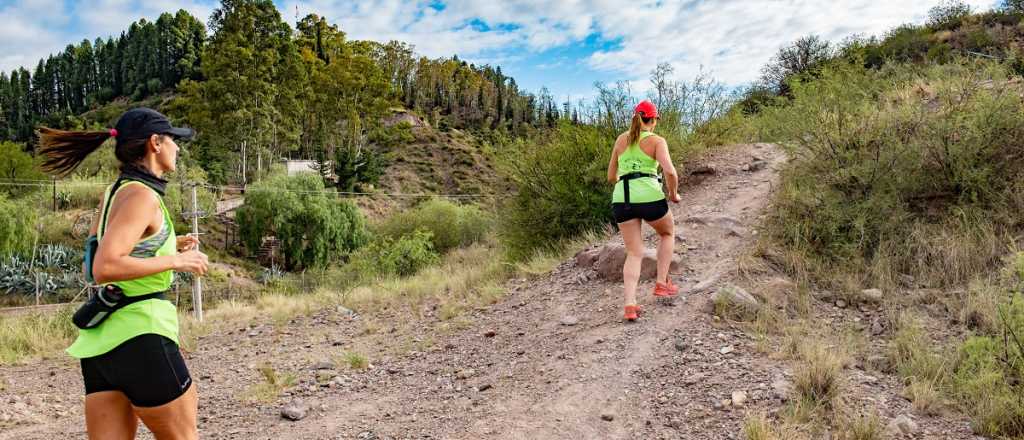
[{"x": 634, "y": 129}]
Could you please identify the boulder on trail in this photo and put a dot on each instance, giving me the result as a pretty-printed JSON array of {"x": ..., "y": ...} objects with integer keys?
[
  {"x": 294, "y": 411},
  {"x": 587, "y": 257},
  {"x": 733, "y": 300},
  {"x": 613, "y": 256}
]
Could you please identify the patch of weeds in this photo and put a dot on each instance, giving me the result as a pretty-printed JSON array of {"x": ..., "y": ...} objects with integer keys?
[
  {"x": 354, "y": 360},
  {"x": 273, "y": 385},
  {"x": 925, "y": 397},
  {"x": 861, "y": 427},
  {"x": 817, "y": 379}
]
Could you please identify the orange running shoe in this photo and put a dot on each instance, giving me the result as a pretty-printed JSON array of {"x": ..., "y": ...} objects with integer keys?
[
  {"x": 666, "y": 289},
  {"x": 632, "y": 313}
]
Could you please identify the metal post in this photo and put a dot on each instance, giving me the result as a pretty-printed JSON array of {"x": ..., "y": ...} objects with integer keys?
[
  {"x": 54, "y": 194},
  {"x": 243, "y": 165},
  {"x": 197, "y": 285}
]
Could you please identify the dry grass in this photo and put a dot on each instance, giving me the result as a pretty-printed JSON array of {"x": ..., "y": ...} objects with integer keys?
[
  {"x": 861, "y": 427},
  {"x": 35, "y": 335},
  {"x": 354, "y": 360},
  {"x": 759, "y": 427},
  {"x": 925, "y": 397},
  {"x": 911, "y": 355},
  {"x": 272, "y": 385},
  {"x": 818, "y": 378}
]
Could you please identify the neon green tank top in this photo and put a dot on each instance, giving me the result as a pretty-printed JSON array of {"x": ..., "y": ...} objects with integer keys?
[
  {"x": 634, "y": 160},
  {"x": 156, "y": 316}
]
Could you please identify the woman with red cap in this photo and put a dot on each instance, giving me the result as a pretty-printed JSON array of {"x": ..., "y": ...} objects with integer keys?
[{"x": 638, "y": 197}]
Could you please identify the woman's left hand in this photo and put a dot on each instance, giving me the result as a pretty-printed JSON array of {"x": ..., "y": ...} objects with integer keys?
[{"x": 187, "y": 243}]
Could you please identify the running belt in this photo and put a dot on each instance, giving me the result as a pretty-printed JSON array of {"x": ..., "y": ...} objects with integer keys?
[{"x": 625, "y": 178}]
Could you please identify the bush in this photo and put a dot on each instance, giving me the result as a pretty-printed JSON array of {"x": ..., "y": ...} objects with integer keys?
[
  {"x": 393, "y": 136},
  {"x": 990, "y": 375},
  {"x": 17, "y": 227},
  {"x": 451, "y": 225},
  {"x": 949, "y": 15},
  {"x": 562, "y": 189},
  {"x": 314, "y": 226},
  {"x": 893, "y": 173},
  {"x": 18, "y": 166},
  {"x": 402, "y": 257}
]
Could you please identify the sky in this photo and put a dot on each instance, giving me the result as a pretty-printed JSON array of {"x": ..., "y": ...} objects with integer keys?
[{"x": 564, "y": 45}]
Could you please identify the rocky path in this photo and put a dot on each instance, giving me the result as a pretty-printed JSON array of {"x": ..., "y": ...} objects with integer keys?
[{"x": 552, "y": 360}]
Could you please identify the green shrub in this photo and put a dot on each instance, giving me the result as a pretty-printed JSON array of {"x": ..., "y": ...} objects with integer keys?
[
  {"x": 18, "y": 166},
  {"x": 393, "y": 136},
  {"x": 314, "y": 226},
  {"x": 451, "y": 225},
  {"x": 17, "y": 227},
  {"x": 949, "y": 15},
  {"x": 402, "y": 257},
  {"x": 562, "y": 188},
  {"x": 990, "y": 375},
  {"x": 901, "y": 170}
]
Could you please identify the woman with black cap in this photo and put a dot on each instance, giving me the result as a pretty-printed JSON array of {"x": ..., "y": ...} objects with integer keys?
[
  {"x": 638, "y": 197},
  {"x": 128, "y": 343}
]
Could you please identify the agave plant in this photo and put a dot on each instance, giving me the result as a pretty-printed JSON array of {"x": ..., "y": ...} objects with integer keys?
[
  {"x": 270, "y": 274},
  {"x": 55, "y": 267}
]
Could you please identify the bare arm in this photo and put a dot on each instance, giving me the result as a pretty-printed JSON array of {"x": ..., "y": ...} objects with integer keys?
[
  {"x": 613, "y": 164},
  {"x": 130, "y": 213},
  {"x": 669, "y": 169}
]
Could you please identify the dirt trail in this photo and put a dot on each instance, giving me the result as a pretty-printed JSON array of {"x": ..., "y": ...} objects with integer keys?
[{"x": 552, "y": 360}]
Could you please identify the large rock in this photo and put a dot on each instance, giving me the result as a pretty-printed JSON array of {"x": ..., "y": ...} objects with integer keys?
[
  {"x": 587, "y": 257},
  {"x": 735, "y": 300},
  {"x": 777, "y": 291},
  {"x": 902, "y": 425},
  {"x": 294, "y": 411},
  {"x": 613, "y": 256},
  {"x": 873, "y": 296}
]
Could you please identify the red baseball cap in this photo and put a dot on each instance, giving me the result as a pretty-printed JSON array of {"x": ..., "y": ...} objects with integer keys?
[{"x": 646, "y": 109}]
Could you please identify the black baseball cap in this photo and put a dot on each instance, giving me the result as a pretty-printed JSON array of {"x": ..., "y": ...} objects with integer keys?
[{"x": 142, "y": 122}]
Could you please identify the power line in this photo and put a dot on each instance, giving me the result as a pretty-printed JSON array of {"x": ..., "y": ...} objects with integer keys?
[{"x": 350, "y": 194}]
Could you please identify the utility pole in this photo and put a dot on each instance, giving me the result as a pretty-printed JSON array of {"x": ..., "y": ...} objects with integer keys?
[
  {"x": 197, "y": 285},
  {"x": 243, "y": 164}
]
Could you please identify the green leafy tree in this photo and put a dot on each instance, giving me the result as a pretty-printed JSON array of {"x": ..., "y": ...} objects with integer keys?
[
  {"x": 17, "y": 227},
  {"x": 251, "y": 92},
  {"x": 16, "y": 164},
  {"x": 313, "y": 226}
]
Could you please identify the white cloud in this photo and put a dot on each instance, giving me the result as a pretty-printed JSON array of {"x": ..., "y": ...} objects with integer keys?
[
  {"x": 28, "y": 32},
  {"x": 34, "y": 29},
  {"x": 730, "y": 38},
  {"x": 734, "y": 38}
]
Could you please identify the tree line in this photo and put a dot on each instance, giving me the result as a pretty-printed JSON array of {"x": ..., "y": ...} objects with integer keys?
[
  {"x": 147, "y": 58},
  {"x": 250, "y": 81}
]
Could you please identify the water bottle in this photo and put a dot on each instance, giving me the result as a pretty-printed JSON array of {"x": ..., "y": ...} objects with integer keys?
[{"x": 98, "y": 307}]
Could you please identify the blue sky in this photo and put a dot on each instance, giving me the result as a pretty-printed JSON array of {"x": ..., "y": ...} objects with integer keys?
[{"x": 565, "y": 45}]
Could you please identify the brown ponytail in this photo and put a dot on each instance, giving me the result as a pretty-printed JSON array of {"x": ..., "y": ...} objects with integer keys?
[
  {"x": 635, "y": 126},
  {"x": 63, "y": 151}
]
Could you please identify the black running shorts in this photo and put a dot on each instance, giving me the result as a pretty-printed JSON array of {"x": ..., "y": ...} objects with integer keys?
[
  {"x": 649, "y": 211},
  {"x": 148, "y": 369}
]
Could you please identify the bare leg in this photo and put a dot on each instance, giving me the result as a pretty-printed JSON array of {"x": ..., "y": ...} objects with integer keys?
[
  {"x": 665, "y": 227},
  {"x": 109, "y": 416},
  {"x": 634, "y": 256},
  {"x": 175, "y": 420}
]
